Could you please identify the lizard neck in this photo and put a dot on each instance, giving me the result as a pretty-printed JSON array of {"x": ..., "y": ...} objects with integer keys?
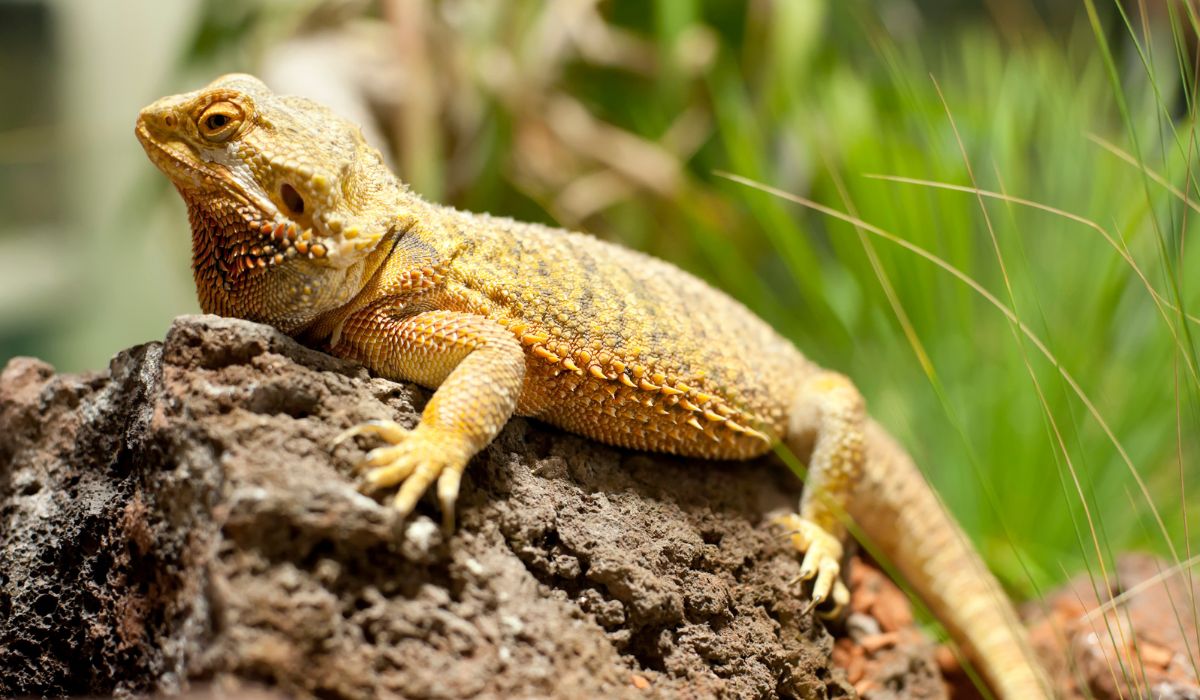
[{"x": 412, "y": 263}]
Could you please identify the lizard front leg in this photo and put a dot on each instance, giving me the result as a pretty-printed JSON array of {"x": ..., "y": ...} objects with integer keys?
[
  {"x": 826, "y": 421},
  {"x": 477, "y": 367}
]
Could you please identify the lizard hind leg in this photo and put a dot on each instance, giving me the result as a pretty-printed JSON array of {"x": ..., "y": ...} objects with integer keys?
[{"x": 825, "y": 425}]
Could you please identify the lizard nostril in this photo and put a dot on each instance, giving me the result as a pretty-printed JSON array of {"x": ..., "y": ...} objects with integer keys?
[{"x": 169, "y": 121}]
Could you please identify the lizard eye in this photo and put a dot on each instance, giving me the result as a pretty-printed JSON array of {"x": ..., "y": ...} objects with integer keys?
[{"x": 220, "y": 121}]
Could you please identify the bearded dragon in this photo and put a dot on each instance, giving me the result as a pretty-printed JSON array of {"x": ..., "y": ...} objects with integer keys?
[{"x": 297, "y": 222}]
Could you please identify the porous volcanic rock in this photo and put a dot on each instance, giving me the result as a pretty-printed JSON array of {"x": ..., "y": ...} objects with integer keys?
[{"x": 179, "y": 521}]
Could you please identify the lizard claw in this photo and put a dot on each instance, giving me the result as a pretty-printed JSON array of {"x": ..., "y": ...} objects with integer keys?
[{"x": 821, "y": 564}]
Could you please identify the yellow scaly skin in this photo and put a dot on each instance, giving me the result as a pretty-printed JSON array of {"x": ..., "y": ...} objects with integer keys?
[{"x": 297, "y": 223}]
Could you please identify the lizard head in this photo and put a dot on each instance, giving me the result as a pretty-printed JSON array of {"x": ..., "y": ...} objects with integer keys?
[{"x": 286, "y": 200}]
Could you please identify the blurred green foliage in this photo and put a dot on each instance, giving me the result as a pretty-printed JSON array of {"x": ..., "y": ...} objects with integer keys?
[{"x": 617, "y": 119}]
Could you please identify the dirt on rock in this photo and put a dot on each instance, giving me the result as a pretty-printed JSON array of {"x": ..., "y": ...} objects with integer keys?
[{"x": 178, "y": 521}]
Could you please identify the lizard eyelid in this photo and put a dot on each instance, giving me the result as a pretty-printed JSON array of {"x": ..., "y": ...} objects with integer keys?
[{"x": 219, "y": 121}]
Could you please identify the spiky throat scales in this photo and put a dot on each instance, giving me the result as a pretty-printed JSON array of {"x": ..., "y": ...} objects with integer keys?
[{"x": 260, "y": 269}]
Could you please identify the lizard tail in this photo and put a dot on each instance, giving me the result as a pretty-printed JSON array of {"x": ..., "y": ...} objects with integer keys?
[{"x": 912, "y": 528}]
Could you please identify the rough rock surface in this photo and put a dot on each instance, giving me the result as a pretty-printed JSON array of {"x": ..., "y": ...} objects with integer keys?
[{"x": 178, "y": 521}]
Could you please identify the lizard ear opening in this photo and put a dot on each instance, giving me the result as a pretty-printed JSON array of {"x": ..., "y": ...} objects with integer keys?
[{"x": 292, "y": 200}]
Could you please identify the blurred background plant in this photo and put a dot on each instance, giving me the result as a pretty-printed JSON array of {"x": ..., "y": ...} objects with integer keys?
[{"x": 1057, "y": 443}]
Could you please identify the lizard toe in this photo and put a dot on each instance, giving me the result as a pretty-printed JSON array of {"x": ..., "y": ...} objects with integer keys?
[
  {"x": 414, "y": 486},
  {"x": 387, "y": 466},
  {"x": 447, "y": 492},
  {"x": 390, "y": 431},
  {"x": 833, "y": 606}
]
